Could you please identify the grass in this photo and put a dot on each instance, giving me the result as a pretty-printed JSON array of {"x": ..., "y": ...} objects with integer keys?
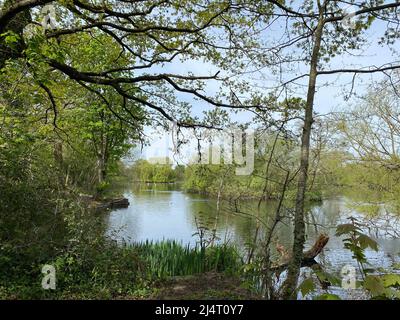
[
  {"x": 171, "y": 258},
  {"x": 109, "y": 271}
]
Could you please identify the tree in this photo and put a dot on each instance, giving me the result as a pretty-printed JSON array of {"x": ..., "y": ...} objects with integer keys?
[
  {"x": 148, "y": 34},
  {"x": 144, "y": 171},
  {"x": 313, "y": 34},
  {"x": 371, "y": 129},
  {"x": 151, "y": 35},
  {"x": 370, "y": 133}
]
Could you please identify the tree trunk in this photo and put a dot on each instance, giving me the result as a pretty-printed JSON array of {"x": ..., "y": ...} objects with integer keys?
[
  {"x": 58, "y": 153},
  {"x": 102, "y": 160},
  {"x": 59, "y": 161},
  {"x": 290, "y": 284},
  {"x": 101, "y": 169}
]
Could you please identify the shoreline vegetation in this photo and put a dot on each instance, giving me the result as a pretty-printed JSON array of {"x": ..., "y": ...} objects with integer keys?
[
  {"x": 204, "y": 180},
  {"x": 140, "y": 271},
  {"x": 90, "y": 266},
  {"x": 292, "y": 87}
]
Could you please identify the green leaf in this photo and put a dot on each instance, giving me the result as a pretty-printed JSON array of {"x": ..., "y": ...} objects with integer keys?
[
  {"x": 307, "y": 286},
  {"x": 327, "y": 296},
  {"x": 391, "y": 279},
  {"x": 366, "y": 242},
  {"x": 396, "y": 266},
  {"x": 345, "y": 228},
  {"x": 325, "y": 276},
  {"x": 10, "y": 37},
  {"x": 374, "y": 284}
]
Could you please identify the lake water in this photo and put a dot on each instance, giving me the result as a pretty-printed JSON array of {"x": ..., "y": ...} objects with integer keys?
[{"x": 165, "y": 212}]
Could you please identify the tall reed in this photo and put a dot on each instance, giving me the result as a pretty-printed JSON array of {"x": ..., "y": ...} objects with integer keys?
[{"x": 171, "y": 258}]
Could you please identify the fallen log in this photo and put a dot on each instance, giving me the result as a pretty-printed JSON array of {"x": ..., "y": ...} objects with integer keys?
[
  {"x": 119, "y": 203},
  {"x": 308, "y": 256},
  {"x": 99, "y": 204},
  {"x": 316, "y": 249},
  {"x": 113, "y": 204}
]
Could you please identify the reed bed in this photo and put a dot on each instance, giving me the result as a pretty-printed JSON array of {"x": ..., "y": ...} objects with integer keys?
[{"x": 170, "y": 258}]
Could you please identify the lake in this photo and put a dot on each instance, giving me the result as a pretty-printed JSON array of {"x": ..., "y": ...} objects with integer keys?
[{"x": 161, "y": 212}]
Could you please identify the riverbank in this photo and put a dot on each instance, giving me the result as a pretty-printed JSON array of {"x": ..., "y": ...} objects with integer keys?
[
  {"x": 103, "y": 269},
  {"x": 205, "y": 286},
  {"x": 106, "y": 256}
]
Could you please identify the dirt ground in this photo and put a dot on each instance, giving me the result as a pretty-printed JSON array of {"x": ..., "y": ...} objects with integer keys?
[{"x": 208, "y": 286}]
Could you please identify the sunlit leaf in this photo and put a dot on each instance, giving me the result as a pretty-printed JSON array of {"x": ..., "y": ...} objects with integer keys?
[
  {"x": 327, "y": 296},
  {"x": 367, "y": 242},
  {"x": 345, "y": 229},
  {"x": 374, "y": 284},
  {"x": 307, "y": 286},
  {"x": 391, "y": 279}
]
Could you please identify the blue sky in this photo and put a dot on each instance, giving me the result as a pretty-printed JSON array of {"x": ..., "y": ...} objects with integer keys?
[{"x": 330, "y": 92}]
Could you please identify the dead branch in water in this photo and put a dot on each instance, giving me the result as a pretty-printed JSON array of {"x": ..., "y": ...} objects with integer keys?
[{"x": 309, "y": 256}]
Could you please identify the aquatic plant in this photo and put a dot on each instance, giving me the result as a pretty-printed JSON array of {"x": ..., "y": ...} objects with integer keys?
[{"x": 171, "y": 258}]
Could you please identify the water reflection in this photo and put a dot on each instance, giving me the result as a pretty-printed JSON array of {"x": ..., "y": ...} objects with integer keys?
[{"x": 163, "y": 212}]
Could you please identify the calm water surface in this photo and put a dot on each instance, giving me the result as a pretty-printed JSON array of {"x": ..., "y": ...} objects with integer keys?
[{"x": 164, "y": 212}]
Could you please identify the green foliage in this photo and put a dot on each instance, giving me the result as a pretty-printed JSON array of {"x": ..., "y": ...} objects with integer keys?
[
  {"x": 105, "y": 268},
  {"x": 356, "y": 241},
  {"x": 307, "y": 286},
  {"x": 10, "y": 38},
  {"x": 102, "y": 186},
  {"x": 369, "y": 131},
  {"x": 144, "y": 171},
  {"x": 169, "y": 258},
  {"x": 76, "y": 129},
  {"x": 48, "y": 154},
  {"x": 327, "y": 296},
  {"x": 221, "y": 180},
  {"x": 382, "y": 286}
]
